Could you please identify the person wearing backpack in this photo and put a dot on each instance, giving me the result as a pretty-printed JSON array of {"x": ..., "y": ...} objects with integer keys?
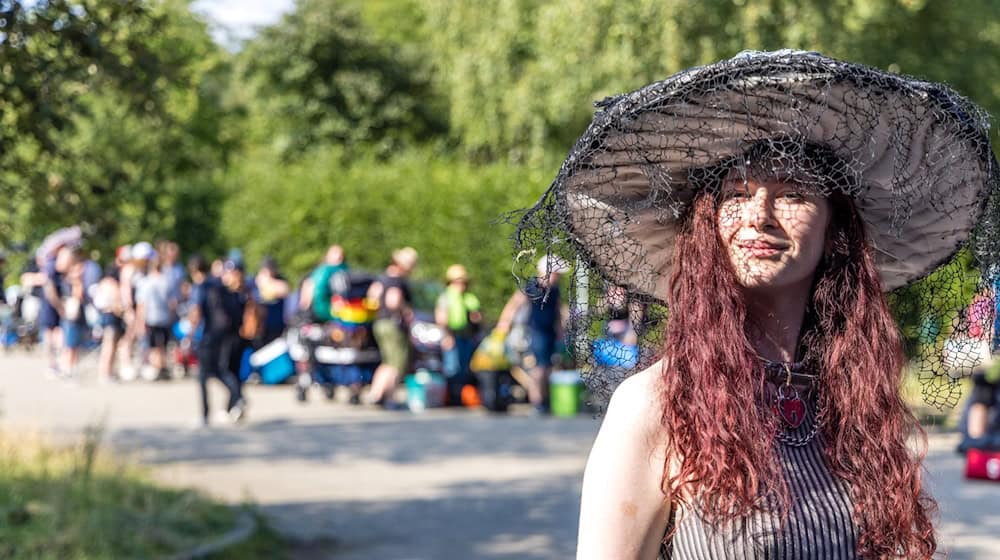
[{"x": 457, "y": 312}]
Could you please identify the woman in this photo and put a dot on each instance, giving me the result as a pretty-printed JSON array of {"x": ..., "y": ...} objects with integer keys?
[{"x": 767, "y": 202}]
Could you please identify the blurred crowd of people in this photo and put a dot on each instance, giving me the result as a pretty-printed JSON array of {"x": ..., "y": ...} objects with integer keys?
[{"x": 147, "y": 315}]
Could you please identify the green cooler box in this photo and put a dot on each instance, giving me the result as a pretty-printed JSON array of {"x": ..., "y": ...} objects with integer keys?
[{"x": 566, "y": 392}]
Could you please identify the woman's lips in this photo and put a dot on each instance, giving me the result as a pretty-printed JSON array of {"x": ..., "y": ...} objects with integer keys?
[{"x": 760, "y": 249}]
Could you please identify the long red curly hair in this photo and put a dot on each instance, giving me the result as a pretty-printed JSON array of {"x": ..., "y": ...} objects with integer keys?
[{"x": 713, "y": 389}]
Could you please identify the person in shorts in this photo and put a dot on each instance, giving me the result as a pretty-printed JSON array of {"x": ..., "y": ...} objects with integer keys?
[
  {"x": 153, "y": 313},
  {"x": 108, "y": 301},
  {"x": 391, "y": 326},
  {"x": 73, "y": 319},
  {"x": 544, "y": 325}
]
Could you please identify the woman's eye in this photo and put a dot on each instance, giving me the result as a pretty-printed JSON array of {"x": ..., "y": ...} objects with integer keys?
[
  {"x": 735, "y": 194},
  {"x": 793, "y": 195}
]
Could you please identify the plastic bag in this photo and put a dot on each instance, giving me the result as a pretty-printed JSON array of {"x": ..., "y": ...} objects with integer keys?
[{"x": 490, "y": 355}]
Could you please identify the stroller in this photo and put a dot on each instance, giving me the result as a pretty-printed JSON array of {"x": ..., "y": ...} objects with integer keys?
[
  {"x": 341, "y": 351},
  {"x": 425, "y": 338}
]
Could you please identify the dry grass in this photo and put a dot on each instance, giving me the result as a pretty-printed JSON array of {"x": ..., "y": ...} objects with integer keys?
[{"x": 80, "y": 502}]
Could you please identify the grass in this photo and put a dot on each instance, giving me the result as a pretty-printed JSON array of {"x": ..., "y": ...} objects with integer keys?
[{"x": 82, "y": 503}]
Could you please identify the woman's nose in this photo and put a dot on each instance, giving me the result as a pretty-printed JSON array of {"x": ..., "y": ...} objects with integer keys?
[{"x": 758, "y": 212}]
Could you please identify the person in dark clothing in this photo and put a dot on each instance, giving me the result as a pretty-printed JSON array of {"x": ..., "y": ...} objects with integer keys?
[
  {"x": 50, "y": 315},
  {"x": 269, "y": 289},
  {"x": 544, "y": 325},
  {"x": 220, "y": 310}
]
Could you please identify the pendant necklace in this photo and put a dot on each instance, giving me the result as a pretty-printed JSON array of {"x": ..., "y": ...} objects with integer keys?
[{"x": 790, "y": 405}]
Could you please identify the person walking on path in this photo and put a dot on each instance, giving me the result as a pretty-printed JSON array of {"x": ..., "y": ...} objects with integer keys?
[
  {"x": 768, "y": 204},
  {"x": 457, "y": 312},
  {"x": 220, "y": 312},
  {"x": 392, "y": 323},
  {"x": 545, "y": 325}
]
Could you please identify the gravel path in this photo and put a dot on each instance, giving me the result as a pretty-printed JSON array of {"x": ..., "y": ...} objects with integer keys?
[{"x": 352, "y": 484}]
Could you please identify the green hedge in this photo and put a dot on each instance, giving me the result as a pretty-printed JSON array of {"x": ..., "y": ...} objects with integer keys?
[{"x": 449, "y": 210}]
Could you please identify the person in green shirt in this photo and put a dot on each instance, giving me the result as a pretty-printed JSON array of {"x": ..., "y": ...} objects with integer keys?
[
  {"x": 457, "y": 312},
  {"x": 328, "y": 278}
]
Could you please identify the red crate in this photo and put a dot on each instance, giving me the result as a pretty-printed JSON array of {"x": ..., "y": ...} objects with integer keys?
[{"x": 982, "y": 464}]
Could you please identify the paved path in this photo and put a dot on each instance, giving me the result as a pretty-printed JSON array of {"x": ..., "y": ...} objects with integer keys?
[{"x": 358, "y": 484}]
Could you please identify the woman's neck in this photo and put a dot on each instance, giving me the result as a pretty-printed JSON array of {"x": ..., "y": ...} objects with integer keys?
[{"x": 776, "y": 321}]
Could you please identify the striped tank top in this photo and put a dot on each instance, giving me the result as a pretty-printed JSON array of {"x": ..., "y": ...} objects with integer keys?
[{"x": 819, "y": 525}]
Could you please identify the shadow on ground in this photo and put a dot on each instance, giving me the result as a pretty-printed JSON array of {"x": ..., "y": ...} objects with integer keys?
[
  {"x": 402, "y": 440},
  {"x": 539, "y": 523}
]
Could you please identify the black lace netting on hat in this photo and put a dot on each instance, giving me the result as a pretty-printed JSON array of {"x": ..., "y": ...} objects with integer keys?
[{"x": 913, "y": 156}]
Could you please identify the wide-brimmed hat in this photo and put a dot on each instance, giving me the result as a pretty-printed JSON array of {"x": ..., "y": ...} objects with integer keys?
[{"x": 915, "y": 155}]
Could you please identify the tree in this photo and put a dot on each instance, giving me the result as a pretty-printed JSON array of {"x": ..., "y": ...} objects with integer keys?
[
  {"x": 317, "y": 78},
  {"x": 112, "y": 117},
  {"x": 520, "y": 74}
]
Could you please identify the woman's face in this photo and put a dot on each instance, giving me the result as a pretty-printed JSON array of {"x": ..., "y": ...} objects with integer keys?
[{"x": 773, "y": 231}]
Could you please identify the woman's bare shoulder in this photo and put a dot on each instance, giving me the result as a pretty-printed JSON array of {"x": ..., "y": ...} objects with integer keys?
[
  {"x": 624, "y": 510},
  {"x": 637, "y": 399}
]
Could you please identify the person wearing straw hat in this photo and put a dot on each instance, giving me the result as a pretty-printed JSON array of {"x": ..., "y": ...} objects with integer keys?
[
  {"x": 457, "y": 312},
  {"x": 767, "y": 209},
  {"x": 391, "y": 326}
]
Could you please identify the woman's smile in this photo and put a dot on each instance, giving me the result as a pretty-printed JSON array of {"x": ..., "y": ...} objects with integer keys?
[{"x": 761, "y": 249}]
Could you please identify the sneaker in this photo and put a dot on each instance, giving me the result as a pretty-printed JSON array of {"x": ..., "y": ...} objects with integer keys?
[
  {"x": 390, "y": 404},
  {"x": 127, "y": 374},
  {"x": 355, "y": 400},
  {"x": 221, "y": 417},
  {"x": 239, "y": 411},
  {"x": 149, "y": 373},
  {"x": 540, "y": 410}
]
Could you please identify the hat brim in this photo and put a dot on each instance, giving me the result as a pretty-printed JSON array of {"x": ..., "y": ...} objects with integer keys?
[{"x": 919, "y": 151}]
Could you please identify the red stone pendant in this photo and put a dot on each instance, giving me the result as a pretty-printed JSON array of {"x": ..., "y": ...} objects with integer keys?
[{"x": 790, "y": 408}]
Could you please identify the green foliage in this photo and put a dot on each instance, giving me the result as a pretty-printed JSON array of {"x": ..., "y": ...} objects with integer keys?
[
  {"x": 520, "y": 74},
  {"x": 448, "y": 209},
  {"x": 112, "y": 117},
  {"x": 316, "y": 78}
]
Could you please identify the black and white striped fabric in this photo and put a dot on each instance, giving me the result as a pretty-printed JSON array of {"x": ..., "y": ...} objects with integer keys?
[{"x": 819, "y": 526}]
